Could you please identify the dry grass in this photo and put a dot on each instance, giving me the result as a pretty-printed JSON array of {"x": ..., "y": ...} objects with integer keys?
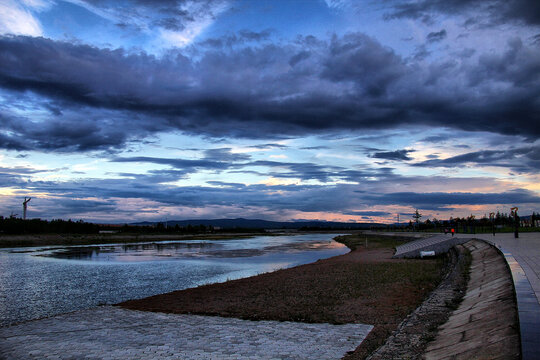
[{"x": 364, "y": 286}]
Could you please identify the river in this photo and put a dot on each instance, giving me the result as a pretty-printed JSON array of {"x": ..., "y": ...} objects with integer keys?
[{"x": 45, "y": 281}]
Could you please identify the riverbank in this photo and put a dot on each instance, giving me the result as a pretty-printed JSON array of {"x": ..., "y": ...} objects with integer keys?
[
  {"x": 364, "y": 286},
  {"x": 32, "y": 240},
  {"x": 481, "y": 323}
]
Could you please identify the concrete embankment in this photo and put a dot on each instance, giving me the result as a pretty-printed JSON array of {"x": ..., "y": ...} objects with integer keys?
[
  {"x": 485, "y": 325},
  {"x": 481, "y": 322}
]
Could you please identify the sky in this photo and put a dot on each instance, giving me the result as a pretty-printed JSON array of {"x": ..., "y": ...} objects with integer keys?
[{"x": 339, "y": 110}]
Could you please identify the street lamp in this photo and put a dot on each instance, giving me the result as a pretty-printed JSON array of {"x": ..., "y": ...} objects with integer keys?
[
  {"x": 514, "y": 211},
  {"x": 492, "y": 218}
]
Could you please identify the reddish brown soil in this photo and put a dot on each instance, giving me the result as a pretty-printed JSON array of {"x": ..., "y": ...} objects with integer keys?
[{"x": 364, "y": 286}]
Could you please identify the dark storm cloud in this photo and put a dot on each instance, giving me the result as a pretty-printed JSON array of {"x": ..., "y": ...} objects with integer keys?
[
  {"x": 213, "y": 159},
  {"x": 170, "y": 24},
  {"x": 20, "y": 170},
  {"x": 421, "y": 52},
  {"x": 497, "y": 11},
  {"x": 437, "y": 138},
  {"x": 255, "y": 35},
  {"x": 519, "y": 159},
  {"x": 269, "y": 146},
  {"x": 436, "y": 36},
  {"x": 361, "y": 60},
  {"x": 304, "y": 171},
  {"x": 367, "y": 213},
  {"x": 184, "y": 164},
  {"x": 111, "y": 97},
  {"x": 500, "y": 67},
  {"x": 465, "y": 53},
  {"x": 398, "y": 155},
  {"x": 241, "y": 38},
  {"x": 67, "y": 134},
  {"x": 11, "y": 179},
  {"x": 319, "y": 147},
  {"x": 440, "y": 200},
  {"x": 18, "y": 176},
  {"x": 225, "y": 154},
  {"x": 322, "y": 173},
  {"x": 223, "y": 159},
  {"x": 170, "y": 14},
  {"x": 226, "y": 184},
  {"x": 13, "y": 143},
  {"x": 299, "y": 198},
  {"x": 81, "y": 206},
  {"x": 341, "y": 198},
  {"x": 72, "y": 208},
  {"x": 302, "y": 55},
  {"x": 159, "y": 176},
  {"x": 450, "y": 137}
]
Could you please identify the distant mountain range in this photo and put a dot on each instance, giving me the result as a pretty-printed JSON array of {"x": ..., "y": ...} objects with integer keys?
[{"x": 262, "y": 224}]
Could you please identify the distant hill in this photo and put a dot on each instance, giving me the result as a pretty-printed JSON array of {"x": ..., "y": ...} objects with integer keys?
[{"x": 262, "y": 224}]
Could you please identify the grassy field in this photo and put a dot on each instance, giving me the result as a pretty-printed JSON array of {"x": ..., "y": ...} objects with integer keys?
[{"x": 365, "y": 286}]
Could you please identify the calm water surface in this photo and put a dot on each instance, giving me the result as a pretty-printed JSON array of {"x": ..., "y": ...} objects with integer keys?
[{"x": 45, "y": 281}]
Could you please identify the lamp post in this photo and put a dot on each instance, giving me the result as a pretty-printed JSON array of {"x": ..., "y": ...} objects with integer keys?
[
  {"x": 492, "y": 218},
  {"x": 514, "y": 211}
]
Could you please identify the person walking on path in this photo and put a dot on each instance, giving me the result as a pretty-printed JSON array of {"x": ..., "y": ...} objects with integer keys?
[{"x": 452, "y": 231}]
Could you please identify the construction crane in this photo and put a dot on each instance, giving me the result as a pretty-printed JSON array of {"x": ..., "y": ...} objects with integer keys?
[{"x": 25, "y": 206}]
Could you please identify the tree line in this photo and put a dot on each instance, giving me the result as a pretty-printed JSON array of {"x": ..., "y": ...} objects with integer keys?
[
  {"x": 13, "y": 226},
  {"x": 471, "y": 223}
]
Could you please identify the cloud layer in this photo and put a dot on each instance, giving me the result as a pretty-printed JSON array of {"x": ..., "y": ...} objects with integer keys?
[
  {"x": 492, "y": 12},
  {"x": 222, "y": 108},
  {"x": 350, "y": 82}
]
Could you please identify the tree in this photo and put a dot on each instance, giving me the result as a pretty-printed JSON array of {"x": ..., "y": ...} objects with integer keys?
[{"x": 160, "y": 227}]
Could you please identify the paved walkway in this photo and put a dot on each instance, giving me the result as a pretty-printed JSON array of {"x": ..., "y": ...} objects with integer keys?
[
  {"x": 523, "y": 258},
  {"x": 484, "y": 325},
  {"x": 525, "y": 249},
  {"x": 113, "y": 333}
]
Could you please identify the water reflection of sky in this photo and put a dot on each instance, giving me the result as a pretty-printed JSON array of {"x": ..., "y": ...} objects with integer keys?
[
  {"x": 38, "y": 282},
  {"x": 181, "y": 250}
]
